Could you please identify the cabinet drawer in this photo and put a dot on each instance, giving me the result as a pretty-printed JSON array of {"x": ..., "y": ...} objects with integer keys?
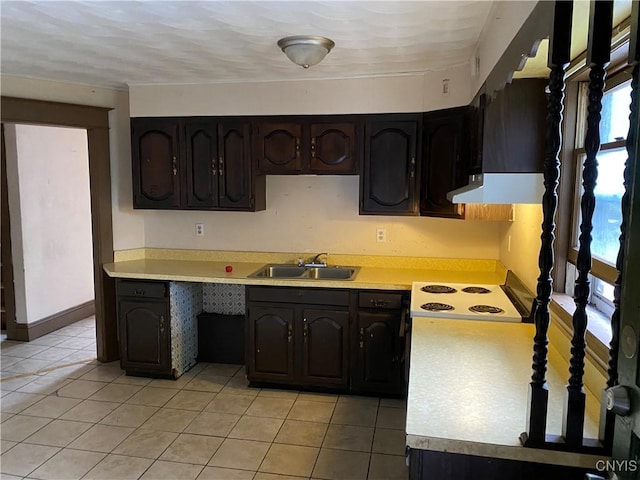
[
  {"x": 380, "y": 300},
  {"x": 310, "y": 295},
  {"x": 142, "y": 289}
]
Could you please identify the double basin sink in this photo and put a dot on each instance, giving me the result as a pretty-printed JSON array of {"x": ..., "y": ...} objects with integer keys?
[{"x": 295, "y": 272}]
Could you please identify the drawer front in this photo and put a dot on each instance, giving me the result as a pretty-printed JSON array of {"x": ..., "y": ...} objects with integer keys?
[
  {"x": 380, "y": 300},
  {"x": 142, "y": 289},
  {"x": 318, "y": 296}
]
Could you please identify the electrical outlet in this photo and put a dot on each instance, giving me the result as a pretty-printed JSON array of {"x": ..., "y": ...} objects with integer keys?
[
  {"x": 199, "y": 229},
  {"x": 381, "y": 235}
]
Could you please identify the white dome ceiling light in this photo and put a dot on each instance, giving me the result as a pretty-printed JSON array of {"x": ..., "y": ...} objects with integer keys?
[{"x": 306, "y": 50}]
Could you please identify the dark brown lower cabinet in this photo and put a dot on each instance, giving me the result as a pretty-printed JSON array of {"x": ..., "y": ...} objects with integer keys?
[
  {"x": 380, "y": 343},
  {"x": 144, "y": 328},
  {"x": 271, "y": 349},
  {"x": 325, "y": 349},
  {"x": 295, "y": 343},
  {"x": 428, "y": 464},
  {"x": 327, "y": 338}
]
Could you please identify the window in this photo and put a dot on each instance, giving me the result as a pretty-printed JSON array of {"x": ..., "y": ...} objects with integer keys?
[{"x": 607, "y": 217}]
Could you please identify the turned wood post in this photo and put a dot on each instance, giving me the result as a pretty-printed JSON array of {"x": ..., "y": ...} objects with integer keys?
[
  {"x": 559, "y": 57},
  {"x": 607, "y": 419},
  {"x": 598, "y": 56}
]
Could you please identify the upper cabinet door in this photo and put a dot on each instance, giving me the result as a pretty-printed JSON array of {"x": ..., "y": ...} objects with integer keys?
[
  {"x": 201, "y": 164},
  {"x": 334, "y": 148},
  {"x": 445, "y": 159},
  {"x": 235, "y": 170},
  {"x": 155, "y": 156},
  {"x": 279, "y": 148},
  {"x": 388, "y": 177}
]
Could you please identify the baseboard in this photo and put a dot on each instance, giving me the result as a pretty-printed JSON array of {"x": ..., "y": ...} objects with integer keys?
[{"x": 25, "y": 332}]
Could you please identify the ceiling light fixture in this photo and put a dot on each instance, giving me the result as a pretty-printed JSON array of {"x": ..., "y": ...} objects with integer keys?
[{"x": 305, "y": 50}]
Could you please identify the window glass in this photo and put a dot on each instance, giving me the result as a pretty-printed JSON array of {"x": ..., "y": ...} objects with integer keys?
[
  {"x": 607, "y": 215},
  {"x": 614, "y": 124}
]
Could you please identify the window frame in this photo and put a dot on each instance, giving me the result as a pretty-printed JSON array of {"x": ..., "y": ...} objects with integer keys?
[{"x": 569, "y": 196}]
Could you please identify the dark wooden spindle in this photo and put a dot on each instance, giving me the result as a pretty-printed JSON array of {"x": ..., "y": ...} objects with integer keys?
[
  {"x": 607, "y": 422},
  {"x": 559, "y": 57},
  {"x": 598, "y": 56}
]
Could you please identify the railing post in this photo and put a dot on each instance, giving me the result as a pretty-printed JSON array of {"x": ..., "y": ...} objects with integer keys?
[
  {"x": 559, "y": 57},
  {"x": 598, "y": 56},
  {"x": 607, "y": 418}
]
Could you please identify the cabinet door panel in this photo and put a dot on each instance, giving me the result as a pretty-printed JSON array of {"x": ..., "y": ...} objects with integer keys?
[
  {"x": 202, "y": 165},
  {"x": 389, "y": 176},
  {"x": 445, "y": 156},
  {"x": 155, "y": 163},
  {"x": 333, "y": 148},
  {"x": 325, "y": 347},
  {"x": 145, "y": 336},
  {"x": 271, "y": 344},
  {"x": 279, "y": 148},
  {"x": 235, "y": 166},
  {"x": 379, "y": 358}
]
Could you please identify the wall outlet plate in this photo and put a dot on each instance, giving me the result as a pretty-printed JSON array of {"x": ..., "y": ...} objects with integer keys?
[
  {"x": 381, "y": 235},
  {"x": 199, "y": 229}
]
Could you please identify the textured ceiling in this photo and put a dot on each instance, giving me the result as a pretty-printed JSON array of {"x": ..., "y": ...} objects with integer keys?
[{"x": 113, "y": 43}]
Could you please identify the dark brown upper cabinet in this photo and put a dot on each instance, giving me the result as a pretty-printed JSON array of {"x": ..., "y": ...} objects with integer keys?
[
  {"x": 389, "y": 173},
  {"x": 278, "y": 148},
  {"x": 446, "y": 158},
  {"x": 218, "y": 165},
  {"x": 305, "y": 145},
  {"x": 515, "y": 120},
  {"x": 209, "y": 165},
  {"x": 156, "y": 163}
]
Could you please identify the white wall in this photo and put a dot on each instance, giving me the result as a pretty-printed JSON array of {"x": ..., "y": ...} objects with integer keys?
[
  {"x": 399, "y": 93},
  {"x": 320, "y": 214},
  {"x": 504, "y": 21},
  {"x": 128, "y": 225},
  {"x": 50, "y": 205}
]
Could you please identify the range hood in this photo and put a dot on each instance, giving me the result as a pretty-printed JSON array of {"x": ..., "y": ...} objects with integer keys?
[{"x": 500, "y": 188}]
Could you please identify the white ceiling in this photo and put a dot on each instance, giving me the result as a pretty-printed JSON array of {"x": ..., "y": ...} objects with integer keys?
[{"x": 119, "y": 43}]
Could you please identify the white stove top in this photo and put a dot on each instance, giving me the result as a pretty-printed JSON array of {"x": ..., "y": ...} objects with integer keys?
[{"x": 457, "y": 303}]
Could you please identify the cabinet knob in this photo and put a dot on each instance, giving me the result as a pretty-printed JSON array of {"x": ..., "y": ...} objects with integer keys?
[
  {"x": 413, "y": 167},
  {"x": 161, "y": 324},
  {"x": 297, "y": 147},
  {"x": 221, "y": 163},
  {"x": 289, "y": 334},
  {"x": 214, "y": 167},
  {"x": 175, "y": 167},
  {"x": 313, "y": 147},
  {"x": 305, "y": 331}
]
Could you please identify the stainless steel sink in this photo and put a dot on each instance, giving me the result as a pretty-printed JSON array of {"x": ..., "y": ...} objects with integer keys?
[
  {"x": 305, "y": 273},
  {"x": 332, "y": 273},
  {"x": 280, "y": 271}
]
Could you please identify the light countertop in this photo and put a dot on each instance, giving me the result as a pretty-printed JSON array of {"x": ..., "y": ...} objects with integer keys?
[
  {"x": 372, "y": 275},
  {"x": 468, "y": 390}
]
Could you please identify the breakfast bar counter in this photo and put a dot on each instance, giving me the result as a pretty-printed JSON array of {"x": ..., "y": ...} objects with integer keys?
[{"x": 468, "y": 391}]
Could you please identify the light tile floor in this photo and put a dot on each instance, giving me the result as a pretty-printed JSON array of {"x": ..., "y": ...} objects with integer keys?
[{"x": 66, "y": 416}]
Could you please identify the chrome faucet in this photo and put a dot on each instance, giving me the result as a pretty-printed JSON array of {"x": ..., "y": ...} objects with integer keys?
[{"x": 314, "y": 262}]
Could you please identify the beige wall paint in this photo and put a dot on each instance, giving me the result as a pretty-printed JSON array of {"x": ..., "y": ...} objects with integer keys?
[
  {"x": 311, "y": 214},
  {"x": 400, "y": 93},
  {"x": 128, "y": 225},
  {"x": 520, "y": 252},
  {"x": 50, "y": 205}
]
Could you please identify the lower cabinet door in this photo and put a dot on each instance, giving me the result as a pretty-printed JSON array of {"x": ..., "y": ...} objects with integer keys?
[
  {"x": 145, "y": 338},
  {"x": 270, "y": 353},
  {"x": 380, "y": 360},
  {"x": 325, "y": 353}
]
